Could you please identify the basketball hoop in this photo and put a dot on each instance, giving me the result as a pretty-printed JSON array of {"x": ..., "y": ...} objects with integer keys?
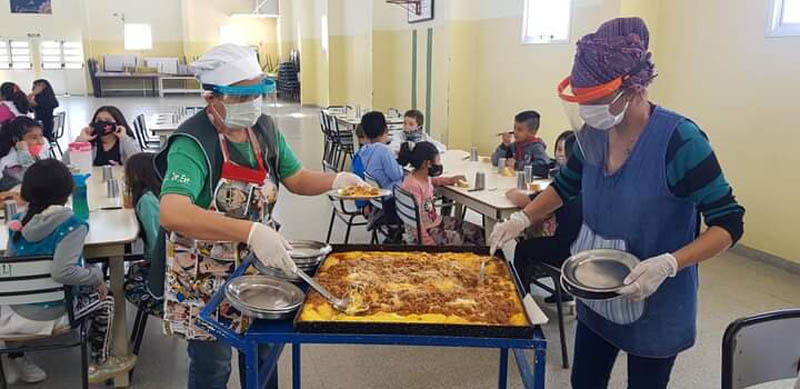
[{"x": 412, "y": 6}]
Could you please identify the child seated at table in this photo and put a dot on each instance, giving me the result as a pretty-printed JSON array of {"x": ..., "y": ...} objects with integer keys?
[
  {"x": 144, "y": 284},
  {"x": 527, "y": 149},
  {"x": 22, "y": 143},
  {"x": 413, "y": 120},
  {"x": 376, "y": 157},
  {"x": 553, "y": 250},
  {"x": 437, "y": 230},
  {"x": 48, "y": 228}
]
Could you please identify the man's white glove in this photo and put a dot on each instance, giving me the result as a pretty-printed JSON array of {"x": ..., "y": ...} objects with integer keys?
[
  {"x": 345, "y": 179},
  {"x": 508, "y": 230},
  {"x": 271, "y": 248},
  {"x": 648, "y": 275}
]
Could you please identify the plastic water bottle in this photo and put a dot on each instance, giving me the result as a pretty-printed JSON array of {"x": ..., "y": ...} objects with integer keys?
[
  {"x": 80, "y": 156},
  {"x": 80, "y": 196}
]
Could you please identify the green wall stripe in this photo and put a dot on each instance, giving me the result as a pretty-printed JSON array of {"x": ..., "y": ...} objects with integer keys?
[
  {"x": 428, "y": 82},
  {"x": 414, "y": 69}
]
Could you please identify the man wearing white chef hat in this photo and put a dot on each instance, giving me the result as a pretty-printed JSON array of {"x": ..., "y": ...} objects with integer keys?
[{"x": 221, "y": 172}]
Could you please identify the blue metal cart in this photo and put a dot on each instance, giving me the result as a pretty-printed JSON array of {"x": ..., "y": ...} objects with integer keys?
[{"x": 279, "y": 333}]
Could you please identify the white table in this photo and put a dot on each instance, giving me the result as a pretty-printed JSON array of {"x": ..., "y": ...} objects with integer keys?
[
  {"x": 110, "y": 233},
  {"x": 491, "y": 202},
  {"x": 162, "y": 125},
  {"x": 183, "y": 81}
]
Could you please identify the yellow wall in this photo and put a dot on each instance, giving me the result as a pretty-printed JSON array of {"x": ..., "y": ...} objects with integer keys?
[
  {"x": 391, "y": 69},
  {"x": 741, "y": 88},
  {"x": 351, "y": 79}
]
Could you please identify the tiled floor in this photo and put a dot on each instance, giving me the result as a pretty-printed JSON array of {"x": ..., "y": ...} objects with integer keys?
[{"x": 730, "y": 287}]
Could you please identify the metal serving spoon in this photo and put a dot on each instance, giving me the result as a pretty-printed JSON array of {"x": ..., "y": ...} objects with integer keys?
[{"x": 341, "y": 304}]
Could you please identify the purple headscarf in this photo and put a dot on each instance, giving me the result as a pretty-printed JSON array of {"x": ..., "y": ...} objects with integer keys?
[{"x": 618, "y": 48}]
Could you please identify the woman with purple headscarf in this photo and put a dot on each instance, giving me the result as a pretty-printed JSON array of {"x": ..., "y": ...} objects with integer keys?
[{"x": 645, "y": 175}]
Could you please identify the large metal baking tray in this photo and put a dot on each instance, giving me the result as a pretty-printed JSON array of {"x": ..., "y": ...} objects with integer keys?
[{"x": 467, "y": 330}]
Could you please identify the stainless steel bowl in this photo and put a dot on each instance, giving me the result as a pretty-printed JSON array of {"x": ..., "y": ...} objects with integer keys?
[
  {"x": 599, "y": 270},
  {"x": 309, "y": 250},
  {"x": 264, "y": 297},
  {"x": 582, "y": 294}
]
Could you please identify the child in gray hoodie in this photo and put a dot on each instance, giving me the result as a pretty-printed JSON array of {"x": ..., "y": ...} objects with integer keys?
[
  {"x": 527, "y": 149},
  {"x": 48, "y": 228}
]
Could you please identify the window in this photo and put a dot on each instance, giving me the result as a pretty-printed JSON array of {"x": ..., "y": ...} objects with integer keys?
[
  {"x": 61, "y": 55},
  {"x": 5, "y": 55},
  {"x": 20, "y": 54},
  {"x": 546, "y": 21},
  {"x": 784, "y": 18},
  {"x": 232, "y": 33},
  {"x": 138, "y": 36}
]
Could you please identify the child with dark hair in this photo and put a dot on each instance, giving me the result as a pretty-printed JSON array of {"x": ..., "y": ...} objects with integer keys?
[
  {"x": 552, "y": 250},
  {"x": 376, "y": 157},
  {"x": 21, "y": 144},
  {"x": 437, "y": 230},
  {"x": 43, "y": 101},
  {"x": 14, "y": 99},
  {"x": 413, "y": 132},
  {"x": 527, "y": 148},
  {"x": 111, "y": 137},
  {"x": 144, "y": 285},
  {"x": 49, "y": 228}
]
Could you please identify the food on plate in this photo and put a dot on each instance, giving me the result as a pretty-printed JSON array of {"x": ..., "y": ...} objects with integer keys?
[
  {"x": 507, "y": 172},
  {"x": 536, "y": 186},
  {"x": 359, "y": 191},
  {"x": 416, "y": 287},
  {"x": 462, "y": 184}
]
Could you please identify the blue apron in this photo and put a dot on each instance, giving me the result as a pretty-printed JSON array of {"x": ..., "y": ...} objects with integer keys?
[{"x": 633, "y": 210}]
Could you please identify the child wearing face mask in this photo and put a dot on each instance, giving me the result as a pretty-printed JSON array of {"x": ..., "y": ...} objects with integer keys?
[
  {"x": 21, "y": 144},
  {"x": 437, "y": 230},
  {"x": 413, "y": 132},
  {"x": 552, "y": 250},
  {"x": 111, "y": 138}
]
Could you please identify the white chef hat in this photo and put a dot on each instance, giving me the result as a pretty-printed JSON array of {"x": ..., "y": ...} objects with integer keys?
[{"x": 226, "y": 64}]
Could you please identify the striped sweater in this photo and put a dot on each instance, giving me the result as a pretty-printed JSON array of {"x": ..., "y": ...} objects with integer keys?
[{"x": 693, "y": 172}]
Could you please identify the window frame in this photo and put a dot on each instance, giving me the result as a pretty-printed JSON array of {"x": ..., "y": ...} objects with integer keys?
[
  {"x": 527, "y": 40},
  {"x": 775, "y": 26}
]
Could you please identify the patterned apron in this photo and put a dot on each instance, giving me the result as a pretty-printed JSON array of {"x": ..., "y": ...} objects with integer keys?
[{"x": 196, "y": 269}]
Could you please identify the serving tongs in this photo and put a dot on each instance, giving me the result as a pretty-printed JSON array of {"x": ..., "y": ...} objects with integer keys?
[{"x": 341, "y": 304}]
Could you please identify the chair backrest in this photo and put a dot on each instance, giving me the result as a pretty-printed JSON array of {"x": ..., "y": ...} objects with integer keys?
[
  {"x": 761, "y": 348},
  {"x": 139, "y": 128},
  {"x": 27, "y": 280},
  {"x": 407, "y": 210},
  {"x": 59, "y": 121},
  {"x": 375, "y": 203}
]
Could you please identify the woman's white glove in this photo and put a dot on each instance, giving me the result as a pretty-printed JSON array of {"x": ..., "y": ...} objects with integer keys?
[
  {"x": 271, "y": 248},
  {"x": 345, "y": 179},
  {"x": 648, "y": 275},
  {"x": 508, "y": 230}
]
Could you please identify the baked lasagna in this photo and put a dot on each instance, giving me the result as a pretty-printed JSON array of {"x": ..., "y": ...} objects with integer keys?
[{"x": 416, "y": 287}]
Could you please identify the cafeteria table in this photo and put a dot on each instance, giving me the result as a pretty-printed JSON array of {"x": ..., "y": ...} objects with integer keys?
[
  {"x": 279, "y": 333},
  {"x": 491, "y": 202},
  {"x": 162, "y": 125},
  {"x": 112, "y": 229}
]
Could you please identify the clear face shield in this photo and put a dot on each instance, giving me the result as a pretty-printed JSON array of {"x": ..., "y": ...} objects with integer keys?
[{"x": 591, "y": 103}]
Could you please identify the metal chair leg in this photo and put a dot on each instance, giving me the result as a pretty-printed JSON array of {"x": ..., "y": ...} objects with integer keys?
[
  {"x": 84, "y": 356},
  {"x": 349, "y": 226},
  {"x": 136, "y": 322},
  {"x": 330, "y": 226},
  {"x": 140, "y": 333},
  {"x": 3, "y": 375},
  {"x": 560, "y": 312}
]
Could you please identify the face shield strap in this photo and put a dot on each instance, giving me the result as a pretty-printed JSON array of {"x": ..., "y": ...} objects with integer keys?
[{"x": 266, "y": 86}]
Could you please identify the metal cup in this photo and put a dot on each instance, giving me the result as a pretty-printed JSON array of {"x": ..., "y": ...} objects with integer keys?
[
  {"x": 10, "y": 207},
  {"x": 480, "y": 181},
  {"x": 108, "y": 173},
  {"x": 501, "y": 163},
  {"x": 528, "y": 173},
  {"x": 521, "y": 183},
  {"x": 473, "y": 154},
  {"x": 112, "y": 188}
]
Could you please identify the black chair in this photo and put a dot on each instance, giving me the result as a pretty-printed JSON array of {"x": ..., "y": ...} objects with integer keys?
[
  {"x": 408, "y": 210},
  {"x": 146, "y": 143},
  {"x": 345, "y": 210},
  {"x": 761, "y": 348},
  {"x": 544, "y": 270},
  {"x": 379, "y": 228},
  {"x": 342, "y": 143},
  {"x": 59, "y": 121},
  {"x": 28, "y": 281}
]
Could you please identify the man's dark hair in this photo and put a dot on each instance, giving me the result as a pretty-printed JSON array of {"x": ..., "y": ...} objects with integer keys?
[
  {"x": 529, "y": 118},
  {"x": 416, "y": 115},
  {"x": 374, "y": 124}
]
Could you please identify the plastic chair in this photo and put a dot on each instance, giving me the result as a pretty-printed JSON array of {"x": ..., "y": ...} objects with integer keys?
[
  {"x": 27, "y": 280},
  {"x": 145, "y": 142},
  {"x": 59, "y": 121},
  {"x": 761, "y": 348},
  {"x": 345, "y": 210},
  {"x": 408, "y": 210}
]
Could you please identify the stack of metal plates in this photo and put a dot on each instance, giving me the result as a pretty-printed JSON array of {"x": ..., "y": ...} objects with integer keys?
[
  {"x": 597, "y": 274},
  {"x": 264, "y": 297},
  {"x": 307, "y": 254}
]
